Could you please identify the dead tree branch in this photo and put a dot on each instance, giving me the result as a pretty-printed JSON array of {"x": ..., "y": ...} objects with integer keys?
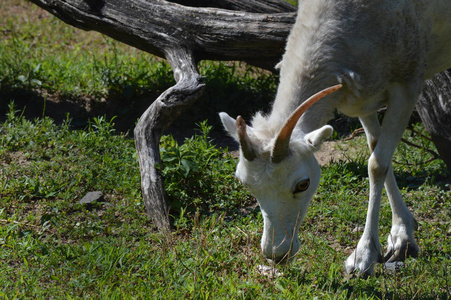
[{"x": 253, "y": 31}]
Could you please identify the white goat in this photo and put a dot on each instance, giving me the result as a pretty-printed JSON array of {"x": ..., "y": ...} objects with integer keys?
[{"x": 380, "y": 52}]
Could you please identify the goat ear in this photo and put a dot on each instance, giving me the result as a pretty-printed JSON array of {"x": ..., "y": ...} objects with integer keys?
[
  {"x": 318, "y": 136},
  {"x": 229, "y": 124}
]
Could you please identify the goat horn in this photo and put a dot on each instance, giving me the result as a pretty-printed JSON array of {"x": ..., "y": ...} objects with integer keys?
[
  {"x": 245, "y": 142},
  {"x": 280, "y": 150}
]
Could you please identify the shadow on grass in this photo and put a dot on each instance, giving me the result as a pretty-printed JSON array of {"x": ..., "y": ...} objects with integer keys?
[
  {"x": 127, "y": 104},
  {"x": 438, "y": 177}
]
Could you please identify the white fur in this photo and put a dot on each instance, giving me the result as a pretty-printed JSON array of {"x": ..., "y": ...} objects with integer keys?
[{"x": 381, "y": 51}]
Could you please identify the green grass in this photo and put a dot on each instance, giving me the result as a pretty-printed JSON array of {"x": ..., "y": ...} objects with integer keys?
[{"x": 51, "y": 246}]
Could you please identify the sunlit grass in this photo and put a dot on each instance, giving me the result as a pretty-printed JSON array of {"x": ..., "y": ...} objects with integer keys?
[{"x": 53, "y": 246}]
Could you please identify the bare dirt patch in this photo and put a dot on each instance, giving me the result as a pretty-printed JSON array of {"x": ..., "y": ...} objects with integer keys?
[{"x": 333, "y": 151}]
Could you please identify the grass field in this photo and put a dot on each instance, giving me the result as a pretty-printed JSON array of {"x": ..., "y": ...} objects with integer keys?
[{"x": 51, "y": 246}]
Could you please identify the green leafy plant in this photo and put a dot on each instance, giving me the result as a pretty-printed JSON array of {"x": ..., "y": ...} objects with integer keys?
[{"x": 198, "y": 175}]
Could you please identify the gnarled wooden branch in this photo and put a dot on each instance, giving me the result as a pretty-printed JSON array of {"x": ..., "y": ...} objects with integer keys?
[
  {"x": 183, "y": 35},
  {"x": 210, "y": 33},
  {"x": 155, "y": 120}
]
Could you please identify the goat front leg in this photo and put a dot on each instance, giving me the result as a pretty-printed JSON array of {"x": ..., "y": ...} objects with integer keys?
[
  {"x": 383, "y": 142},
  {"x": 154, "y": 121},
  {"x": 368, "y": 251}
]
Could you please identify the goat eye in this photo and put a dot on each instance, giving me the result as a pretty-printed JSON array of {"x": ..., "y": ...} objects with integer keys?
[{"x": 302, "y": 186}]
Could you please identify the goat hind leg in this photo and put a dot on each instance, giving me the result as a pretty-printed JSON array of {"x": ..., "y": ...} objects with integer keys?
[
  {"x": 401, "y": 242},
  {"x": 383, "y": 140}
]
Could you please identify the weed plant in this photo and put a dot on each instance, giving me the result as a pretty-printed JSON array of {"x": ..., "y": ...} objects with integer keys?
[{"x": 195, "y": 179}]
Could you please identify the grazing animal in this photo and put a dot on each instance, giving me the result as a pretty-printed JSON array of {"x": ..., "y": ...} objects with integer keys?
[{"x": 379, "y": 53}]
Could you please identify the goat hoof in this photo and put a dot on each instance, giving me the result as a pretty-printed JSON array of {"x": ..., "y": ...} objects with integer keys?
[
  {"x": 363, "y": 260},
  {"x": 402, "y": 253}
]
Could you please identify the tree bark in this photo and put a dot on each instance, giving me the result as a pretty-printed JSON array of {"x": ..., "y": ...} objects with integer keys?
[
  {"x": 210, "y": 33},
  {"x": 154, "y": 121},
  {"x": 256, "y": 6},
  {"x": 434, "y": 108}
]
